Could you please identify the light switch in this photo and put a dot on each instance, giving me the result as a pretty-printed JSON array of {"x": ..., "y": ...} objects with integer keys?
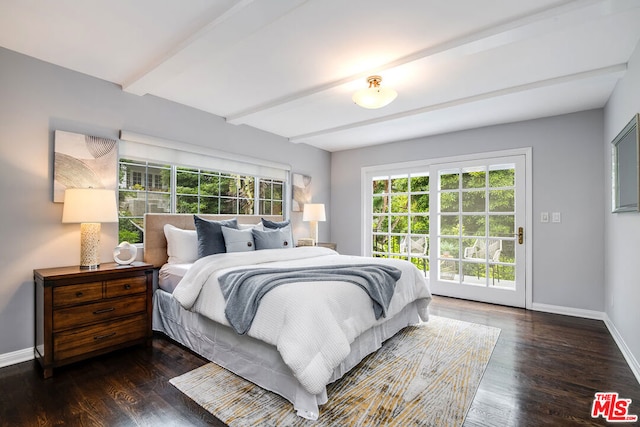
[
  {"x": 544, "y": 216},
  {"x": 555, "y": 217}
]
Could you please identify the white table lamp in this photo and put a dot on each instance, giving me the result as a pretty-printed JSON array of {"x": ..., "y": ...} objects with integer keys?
[
  {"x": 90, "y": 207},
  {"x": 314, "y": 212}
]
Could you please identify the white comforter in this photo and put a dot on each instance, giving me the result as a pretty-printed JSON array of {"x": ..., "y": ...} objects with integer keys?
[{"x": 312, "y": 324}]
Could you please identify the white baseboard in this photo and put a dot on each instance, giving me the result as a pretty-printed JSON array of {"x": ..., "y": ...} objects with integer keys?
[
  {"x": 14, "y": 357},
  {"x": 598, "y": 315},
  {"x": 626, "y": 352},
  {"x": 568, "y": 311}
]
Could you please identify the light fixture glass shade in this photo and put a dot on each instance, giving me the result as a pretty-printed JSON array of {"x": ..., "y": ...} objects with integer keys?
[{"x": 374, "y": 96}]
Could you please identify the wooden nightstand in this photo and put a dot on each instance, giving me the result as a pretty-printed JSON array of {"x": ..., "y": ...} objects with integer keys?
[{"x": 83, "y": 313}]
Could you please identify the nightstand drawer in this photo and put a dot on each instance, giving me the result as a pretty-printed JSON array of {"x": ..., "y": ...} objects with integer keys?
[
  {"x": 90, "y": 313},
  {"x": 77, "y": 294},
  {"x": 79, "y": 341},
  {"x": 127, "y": 286}
]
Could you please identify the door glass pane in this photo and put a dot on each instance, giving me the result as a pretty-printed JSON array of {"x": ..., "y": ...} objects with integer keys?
[
  {"x": 380, "y": 204},
  {"x": 449, "y": 225},
  {"x": 399, "y": 224},
  {"x": 473, "y": 201},
  {"x": 448, "y": 269},
  {"x": 395, "y": 242},
  {"x": 502, "y": 176},
  {"x": 501, "y": 225},
  {"x": 420, "y": 224},
  {"x": 474, "y": 225},
  {"x": 474, "y": 178},
  {"x": 449, "y": 180},
  {"x": 380, "y": 185},
  {"x": 419, "y": 183},
  {"x": 399, "y": 204},
  {"x": 380, "y": 224},
  {"x": 501, "y": 201},
  {"x": 399, "y": 184},
  {"x": 450, "y": 202},
  {"x": 420, "y": 203},
  {"x": 449, "y": 247},
  {"x": 380, "y": 242}
]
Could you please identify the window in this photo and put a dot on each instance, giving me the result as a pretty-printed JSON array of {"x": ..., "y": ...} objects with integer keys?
[
  {"x": 162, "y": 188},
  {"x": 400, "y": 218}
]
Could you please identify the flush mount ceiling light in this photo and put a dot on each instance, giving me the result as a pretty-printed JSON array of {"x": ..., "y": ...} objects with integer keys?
[{"x": 374, "y": 96}]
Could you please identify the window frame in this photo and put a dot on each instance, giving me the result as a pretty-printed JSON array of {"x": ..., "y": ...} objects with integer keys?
[{"x": 173, "y": 195}]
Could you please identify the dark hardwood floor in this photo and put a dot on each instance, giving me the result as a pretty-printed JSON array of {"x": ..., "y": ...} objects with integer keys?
[{"x": 544, "y": 370}]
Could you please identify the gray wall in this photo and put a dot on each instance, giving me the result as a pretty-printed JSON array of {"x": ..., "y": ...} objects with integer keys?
[
  {"x": 37, "y": 98},
  {"x": 568, "y": 266},
  {"x": 622, "y": 266}
]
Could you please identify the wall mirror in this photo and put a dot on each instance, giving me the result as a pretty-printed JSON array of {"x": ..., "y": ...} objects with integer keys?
[{"x": 625, "y": 157}]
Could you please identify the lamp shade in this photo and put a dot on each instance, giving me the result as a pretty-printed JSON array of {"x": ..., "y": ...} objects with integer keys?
[
  {"x": 313, "y": 212},
  {"x": 89, "y": 205}
]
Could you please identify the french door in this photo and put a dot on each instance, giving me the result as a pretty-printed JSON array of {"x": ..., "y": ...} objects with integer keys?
[
  {"x": 461, "y": 221},
  {"x": 477, "y": 233}
]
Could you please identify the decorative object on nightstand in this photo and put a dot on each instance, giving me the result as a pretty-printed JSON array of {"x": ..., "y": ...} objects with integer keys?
[
  {"x": 329, "y": 245},
  {"x": 125, "y": 253},
  {"x": 90, "y": 207},
  {"x": 82, "y": 313},
  {"x": 306, "y": 241},
  {"x": 314, "y": 212}
]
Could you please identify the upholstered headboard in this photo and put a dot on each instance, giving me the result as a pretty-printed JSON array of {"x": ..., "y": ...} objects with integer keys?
[{"x": 155, "y": 243}]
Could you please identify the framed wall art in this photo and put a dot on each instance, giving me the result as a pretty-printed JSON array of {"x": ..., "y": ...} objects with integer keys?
[
  {"x": 83, "y": 161},
  {"x": 625, "y": 154},
  {"x": 301, "y": 191}
]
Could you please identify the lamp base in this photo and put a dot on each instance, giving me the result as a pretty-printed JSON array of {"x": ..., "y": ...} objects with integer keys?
[
  {"x": 313, "y": 225},
  {"x": 89, "y": 245}
]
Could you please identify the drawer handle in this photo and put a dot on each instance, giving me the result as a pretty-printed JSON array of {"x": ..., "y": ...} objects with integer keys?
[
  {"x": 101, "y": 337},
  {"x": 127, "y": 286},
  {"x": 79, "y": 294},
  {"x": 104, "y": 310}
]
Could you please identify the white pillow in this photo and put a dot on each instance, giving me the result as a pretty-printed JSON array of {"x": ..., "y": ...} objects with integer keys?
[
  {"x": 257, "y": 226},
  {"x": 182, "y": 245}
]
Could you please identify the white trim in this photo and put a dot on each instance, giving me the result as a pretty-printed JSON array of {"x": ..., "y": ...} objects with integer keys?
[
  {"x": 400, "y": 167},
  {"x": 626, "y": 352},
  {"x": 159, "y": 149},
  {"x": 633, "y": 363},
  {"x": 568, "y": 311},
  {"x": 450, "y": 159},
  {"x": 19, "y": 356}
]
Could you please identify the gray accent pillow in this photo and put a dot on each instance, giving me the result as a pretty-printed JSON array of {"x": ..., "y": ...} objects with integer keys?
[
  {"x": 210, "y": 238},
  {"x": 276, "y": 225},
  {"x": 273, "y": 239},
  {"x": 238, "y": 240}
]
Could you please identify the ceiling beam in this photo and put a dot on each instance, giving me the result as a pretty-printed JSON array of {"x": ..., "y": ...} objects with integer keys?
[
  {"x": 540, "y": 22},
  {"x": 619, "y": 69},
  {"x": 214, "y": 33}
]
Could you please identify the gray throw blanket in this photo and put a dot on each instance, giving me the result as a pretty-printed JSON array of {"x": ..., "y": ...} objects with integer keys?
[{"x": 243, "y": 289}]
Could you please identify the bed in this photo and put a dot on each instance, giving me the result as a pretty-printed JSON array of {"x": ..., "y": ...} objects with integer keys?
[{"x": 293, "y": 358}]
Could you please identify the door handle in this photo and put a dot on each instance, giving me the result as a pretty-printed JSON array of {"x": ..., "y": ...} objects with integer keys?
[{"x": 520, "y": 235}]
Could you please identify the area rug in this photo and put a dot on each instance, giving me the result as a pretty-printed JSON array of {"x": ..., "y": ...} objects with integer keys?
[{"x": 426, "y": 375}]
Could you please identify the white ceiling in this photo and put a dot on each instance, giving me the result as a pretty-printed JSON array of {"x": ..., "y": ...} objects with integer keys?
[{"x": 290, "y": 67}]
